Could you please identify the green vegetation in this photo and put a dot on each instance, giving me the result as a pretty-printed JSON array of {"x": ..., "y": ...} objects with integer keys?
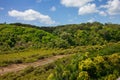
[
  {"x": 89, "y": 33},
  {"x": 26, "y": 56},
  {"x": 84, "y": 65},
  {"x": 88, "y": 66},
  {"x": 32, "y": 55},
  {"x": 18, "y": 37},
  {"x": 95, "y": 48}
]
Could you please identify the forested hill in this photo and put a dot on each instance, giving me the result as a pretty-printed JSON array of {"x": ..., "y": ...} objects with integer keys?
[
  {"x": 93, "y": 48},
  {"x": 17, "y": 36}
]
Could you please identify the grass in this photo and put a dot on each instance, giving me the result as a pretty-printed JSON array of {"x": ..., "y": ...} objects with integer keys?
[
  {"x": 26, "y": 56},
  {"x": 32, "y": 55}
]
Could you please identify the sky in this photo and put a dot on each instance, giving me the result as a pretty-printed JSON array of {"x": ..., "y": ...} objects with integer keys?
[{"x": 59, "y": 12}]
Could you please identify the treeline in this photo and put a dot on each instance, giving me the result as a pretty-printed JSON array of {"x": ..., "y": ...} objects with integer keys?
[
  {"x": 89, "y": 33},
  {"x": 17, "y": 36},
  {"x": 45, "y": 28}
]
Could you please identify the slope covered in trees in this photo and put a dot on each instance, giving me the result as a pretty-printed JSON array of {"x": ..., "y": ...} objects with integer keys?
[
  {"x": 19, "y": 36},
  {"x": 89, "y": 33},
  {"x": 96, "y": 49}
]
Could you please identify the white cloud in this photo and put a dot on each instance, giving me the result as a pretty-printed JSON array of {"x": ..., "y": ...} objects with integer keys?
[
  {"x": 75, "y": 3},
  {"x": 84, "y": 6},
  {"x": 112, "y": 7},
  {"x": 87, "y": 9},
  {"x": 31, "y": 15},
  {"x": 1, "y": 8},
  {"x": 53, "y": 8}
]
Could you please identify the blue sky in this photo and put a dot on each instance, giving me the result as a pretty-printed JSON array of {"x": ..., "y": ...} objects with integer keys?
[{"x": 59, "y": 12}]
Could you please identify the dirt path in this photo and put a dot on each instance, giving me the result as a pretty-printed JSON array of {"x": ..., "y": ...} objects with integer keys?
[{"x": 18, "y": 67}]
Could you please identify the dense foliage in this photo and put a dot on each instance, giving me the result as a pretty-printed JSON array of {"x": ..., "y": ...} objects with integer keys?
[
  {"x": 95, "y": 48},
  {"x": 19, "y": 36},
  {"x": 89, "y": 33},
  {"x": 91, "y": 66}
]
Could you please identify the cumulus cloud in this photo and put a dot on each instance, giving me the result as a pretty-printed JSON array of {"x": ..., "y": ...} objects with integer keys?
[
  {"x": 53, "y": 8},
  {"x": 87, "y": 9},
  {"x": 75, "y": 3},
  {"x": 31, "y": 15},
  {"x": 112, "y": 7},
  {"x": 84, "y": 6}
]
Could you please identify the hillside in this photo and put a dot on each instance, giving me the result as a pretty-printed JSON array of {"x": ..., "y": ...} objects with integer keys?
[
  {"x": 15, "y": 38},
  {"x": 93, "y": 48},
  {"x": 21, "y": 36}
]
